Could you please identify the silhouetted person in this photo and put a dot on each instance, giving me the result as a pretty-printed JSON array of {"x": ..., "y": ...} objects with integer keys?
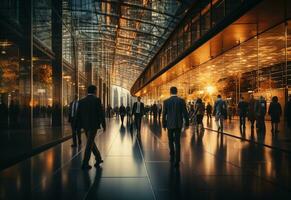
[
  {"x": 220, "y": 112},
  {"x": 155, "y": 110},
  {"x": 13, "y": 114},
  {"x": 275, "y": 111},
  {"x": 260, "y": 110},
  {"x": 173, "y": 114},
  {"x": 76, "y": 132},
  {"x": 109, "y": 111},
  {"x": 138, "y": 111},
  {"x": 90, "y": 116},
  {"x": 288, "y": 112},
  {"x": 122, "y": 113},
  {"x": 208, "y": 111},
  {"x": 199, "y": 112},
  {"x": 242, "y": 112},
  {"x": 251, "y": 111}
]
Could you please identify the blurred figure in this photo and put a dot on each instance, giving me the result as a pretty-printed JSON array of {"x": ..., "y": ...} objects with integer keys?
[
  {"x": 275, "y": 111},
  {"x": 173, "y": 114},
  {"x": 13, "y": 114},
  {"x": 288, "y": 112},
  {"x": 116, "y": 111},
  {"x": 229, "y": 111},
  {"x": 155, "y": 111},
  {"x": 122, "y": 113},
  {"x": 76, "y": 132},
  {"x": 191, "y": 114},
  {"x": 90, "y": 116},
  {"x": 109, "y": 111},
  {"x": 220, "y": 112},
  {"x": 209, "y": 111},
  {"x": 128, "y": 111},
  {"x": 199, "y": 112},
  {"x": 251, "y": 111},
  {"x": 160, "y": 111},
  {"x": 260, "y": 110},
  {"x": 242, "y": 112},
  {"x": 138, "y": 111}
]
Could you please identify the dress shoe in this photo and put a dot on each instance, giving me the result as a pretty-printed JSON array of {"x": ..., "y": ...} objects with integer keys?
[
  {"x": 86, "y": 167},
  {"x": 97, "y": 164}
]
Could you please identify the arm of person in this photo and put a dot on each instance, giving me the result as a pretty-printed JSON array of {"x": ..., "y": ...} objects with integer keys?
[
  {"x": 185, "y": 113},
  {"x": 164, "y": 115}
]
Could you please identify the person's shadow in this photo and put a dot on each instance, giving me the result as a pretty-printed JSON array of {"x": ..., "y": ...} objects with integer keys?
[{"x": 174, "y": 182}]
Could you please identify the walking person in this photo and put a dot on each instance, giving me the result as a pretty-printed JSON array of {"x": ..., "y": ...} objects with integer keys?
[
  {"x": 138, "y": 111},
  {"x": 209, "y": 111},
  {"x": 199, "y": 112},
  {"x": 260, "y": 110},
  {"x": 122, "y": 113},
  {"x": 220, "y": 112},
  {"x": 76, "y": 132},
  {"x": 155, "y": 111},
  {"x": 288, "y": 113},
  {"x": 128, "y": 112},
  {"x": 242, "y": 112},
  {"x": 160, "y": 111},
  {"x": 251, "y": 111},
  {"x": 173, "y": 114},
  {"x": 275, "y": 111},
  {"x": 90, "y": 116}
]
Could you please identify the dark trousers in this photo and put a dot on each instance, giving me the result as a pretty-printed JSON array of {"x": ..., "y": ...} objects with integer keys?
[
  {"x": 91, "y": 147},
  {"x": 242, "y": 120},
  {"x": 122, "y": 118},
  {"x": 137, "y": 121},
  {"x": 76, "y": 132},
  {"x": 174, "y": 143}
]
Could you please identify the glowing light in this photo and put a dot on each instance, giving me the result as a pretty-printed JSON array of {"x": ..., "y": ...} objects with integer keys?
[{"x": 210, "y": 89}]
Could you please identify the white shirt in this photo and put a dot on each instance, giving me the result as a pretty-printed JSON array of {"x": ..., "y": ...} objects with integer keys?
[{"x": 137, "y": 107}]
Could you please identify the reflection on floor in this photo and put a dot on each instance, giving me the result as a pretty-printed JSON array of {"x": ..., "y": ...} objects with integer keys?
[
  {"x": 213, "y": 167},
  {"x": 281, "y": 140}
]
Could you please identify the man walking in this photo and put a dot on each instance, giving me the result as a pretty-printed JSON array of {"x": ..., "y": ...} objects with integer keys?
[
  {"x": 138, "y": 111},
  {"x": 90, "y": 115},
  {"x": 242, "y": 111},
  {"x": 220, "y": 112},
  {"x": 174, "y": 111},
  {"x": 76, "y": 132}
]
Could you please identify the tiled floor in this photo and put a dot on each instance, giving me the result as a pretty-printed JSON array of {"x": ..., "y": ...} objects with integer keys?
[{"x": 213, "y": 166}]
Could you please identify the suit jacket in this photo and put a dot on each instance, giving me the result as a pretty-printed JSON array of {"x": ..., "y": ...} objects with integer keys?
[
  {"x": 174, "y": 112},
  {"x": 135, "y": 107},
  {"x": 90, "y": 113},
  {"x": 70, "y": 118}
]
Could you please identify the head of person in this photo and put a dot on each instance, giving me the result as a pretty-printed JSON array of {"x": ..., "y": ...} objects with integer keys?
[
  {"x": 199, "y": 100},
  {"x": 262, "y": 98},
  {"x": 92, "y": 89},
  {"x": 173, "y": 90},
  {"x": 252, "y": 96},
  {"x": 219, "y": 96},
  {"x": 208, "y": 103},
  {"x": 275, "y": 99},
  {"x": 241, "y": 98},
  {"x": 76, "y": 97},
  {"x": 138, "y": 99}
]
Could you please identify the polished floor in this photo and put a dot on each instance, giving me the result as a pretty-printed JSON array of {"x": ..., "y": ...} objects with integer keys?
[{"x": 214, "y": 166}]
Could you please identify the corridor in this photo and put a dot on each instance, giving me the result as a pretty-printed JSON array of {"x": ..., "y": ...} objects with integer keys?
[{"x": 137, "y": 167}]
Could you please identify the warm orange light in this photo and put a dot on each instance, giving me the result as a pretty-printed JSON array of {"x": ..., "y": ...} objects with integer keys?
[{"x": 210, "y": 89}]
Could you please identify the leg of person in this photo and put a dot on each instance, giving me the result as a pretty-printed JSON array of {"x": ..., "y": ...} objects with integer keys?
[
  {"x": 96, "y": 151},
  {"x": 177, "y": 134},
  {"x": 221, "y": 118},
  {"x": 171, "y": 144},
  {"x": 139, "y": 124},
  {"x": 87, "y": 154},
  {"x": 79, "y": 134},
  {"x": 74, "y": 134},
  {"x": 240, "y": 121},
  {"x": 276, "y": 127},
  {"x": 217, "y": 122}
]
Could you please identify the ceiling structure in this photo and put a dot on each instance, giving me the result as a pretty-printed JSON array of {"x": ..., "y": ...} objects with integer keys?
[{"x": 122, "y": 35}]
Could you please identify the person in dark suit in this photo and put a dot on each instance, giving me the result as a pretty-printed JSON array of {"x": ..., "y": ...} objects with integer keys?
[
  {"x": 76, "y": 132},
  {"x": 122, "y": 112},
  {"x": 138, "y": 111},
  {"x": 90, "y": 116},
  {"x": 288, "y": 112},
  {"x": 173, "y": 114}
]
